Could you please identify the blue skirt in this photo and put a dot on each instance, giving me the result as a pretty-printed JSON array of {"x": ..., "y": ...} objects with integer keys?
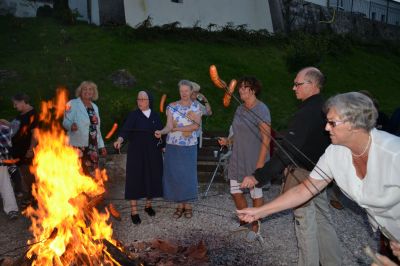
[{"x": 180, "y": 173}]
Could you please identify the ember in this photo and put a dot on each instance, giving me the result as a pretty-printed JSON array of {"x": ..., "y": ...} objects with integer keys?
[{"x": 67, "y": 228}]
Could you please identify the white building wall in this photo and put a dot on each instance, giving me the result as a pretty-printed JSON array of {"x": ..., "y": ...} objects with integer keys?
[
  {"x": 95, "y": 12},
  {"x": 23, "y": 8},
  {"x": 394, "y": 13},
  {"x": 254, "y": 13}
]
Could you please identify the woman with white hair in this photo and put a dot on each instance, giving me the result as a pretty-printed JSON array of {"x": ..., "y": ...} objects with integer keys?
[
  {"x": 180, "y": 160},
  {"x": 364, "y": 161},
  {"x": 82, "y": 122}
]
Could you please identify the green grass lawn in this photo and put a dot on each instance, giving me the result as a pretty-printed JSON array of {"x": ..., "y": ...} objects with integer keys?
[{"x": 46, "y": 55}]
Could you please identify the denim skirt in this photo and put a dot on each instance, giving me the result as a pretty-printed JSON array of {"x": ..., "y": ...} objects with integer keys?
[{"x": 180, "y": 173}]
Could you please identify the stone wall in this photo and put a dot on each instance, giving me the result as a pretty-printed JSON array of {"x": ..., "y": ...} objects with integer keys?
[{"x": 309, "y": 17}]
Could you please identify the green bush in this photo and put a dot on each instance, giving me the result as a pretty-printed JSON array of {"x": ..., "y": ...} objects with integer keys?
[
  {"x": 309, "y": 50},
  {"x": 304, "y": 50},
  {"x": 62, "y": 12}
]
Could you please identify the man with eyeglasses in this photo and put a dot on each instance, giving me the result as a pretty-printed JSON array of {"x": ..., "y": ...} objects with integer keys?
[{"x": 304, "y": 142}]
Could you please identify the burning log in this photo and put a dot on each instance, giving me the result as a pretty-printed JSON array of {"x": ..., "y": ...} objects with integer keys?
[{"x": 119, "y": 256}]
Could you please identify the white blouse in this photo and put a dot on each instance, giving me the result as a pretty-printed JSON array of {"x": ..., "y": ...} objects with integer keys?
[{"x": 379, "y": 192}]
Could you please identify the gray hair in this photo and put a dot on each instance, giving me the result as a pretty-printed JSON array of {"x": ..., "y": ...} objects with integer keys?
[
  {"x": 354, "y": 107},
  {"x": 315, "y": 75},
  {"x": 195, "y": 86},
  {"x": 185, "y": 82}
]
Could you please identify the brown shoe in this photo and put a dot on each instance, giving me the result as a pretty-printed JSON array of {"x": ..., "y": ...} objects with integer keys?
[{"x": 336, "y": 204}]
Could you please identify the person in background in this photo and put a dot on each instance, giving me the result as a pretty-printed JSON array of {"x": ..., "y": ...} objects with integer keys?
[
  {"x": 251, "y": 140},
  {"x": 23, "y": 143},
  {"x": 144, "y": 164},
  {"x": 316, "y": 238},
  {"x": 205, "y": 109},
  {"x": 180, "y": 160},
  {"x": 82, "y": 122},
  {"x": 6, "y": 190},
  {"x": 363, "y": 161}
]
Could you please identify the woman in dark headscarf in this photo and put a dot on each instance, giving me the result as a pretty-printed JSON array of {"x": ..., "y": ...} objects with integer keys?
[{"x": 144, "y": 164}]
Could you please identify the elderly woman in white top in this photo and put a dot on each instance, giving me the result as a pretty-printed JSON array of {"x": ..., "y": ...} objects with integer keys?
[
  {"x": 364, "y": 161},
  {"x": 180, "y": 160},
  {"x": 82, "y": 122}
]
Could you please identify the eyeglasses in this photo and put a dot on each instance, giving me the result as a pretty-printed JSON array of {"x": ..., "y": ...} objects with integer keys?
[
  {"x": 141, "y": 100},
  {"x": 334, "y": 123},
  {"x": 297, "y": 84}
]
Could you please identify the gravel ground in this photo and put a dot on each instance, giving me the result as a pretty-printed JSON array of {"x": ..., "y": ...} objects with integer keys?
[{"x": 214, "y": 221}]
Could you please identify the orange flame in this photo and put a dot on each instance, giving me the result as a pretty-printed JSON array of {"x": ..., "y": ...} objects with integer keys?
[
  {"x": 67, "y": 229},
  {"x": 61, "y": 102}
]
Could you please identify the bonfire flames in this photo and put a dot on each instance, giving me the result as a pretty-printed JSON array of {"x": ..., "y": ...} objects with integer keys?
[{"x": 67, "y": 228}]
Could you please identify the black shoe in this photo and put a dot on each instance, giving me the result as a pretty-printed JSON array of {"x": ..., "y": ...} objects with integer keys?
[
  {"x": 150, "y": 211},
  {"x": 13, "y": 215},
  {"x": 136, "y": 219}
]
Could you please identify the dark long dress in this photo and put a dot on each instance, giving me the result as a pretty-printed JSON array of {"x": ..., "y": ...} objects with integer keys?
[{"x": 144, "y": 165}]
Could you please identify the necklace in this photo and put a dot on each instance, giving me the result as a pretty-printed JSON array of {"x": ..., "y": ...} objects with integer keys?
[{"x": 365, "y": 149}]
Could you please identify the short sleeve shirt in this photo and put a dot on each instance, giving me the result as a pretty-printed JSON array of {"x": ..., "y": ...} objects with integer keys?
[
  {"x": 180, "y": 115},
  {"x": 379, "y": 192},
  {"x": 247, "y": 140}
]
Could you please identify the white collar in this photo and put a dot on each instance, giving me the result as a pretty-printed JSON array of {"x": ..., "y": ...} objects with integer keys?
[{"x": 147, "y": 113}]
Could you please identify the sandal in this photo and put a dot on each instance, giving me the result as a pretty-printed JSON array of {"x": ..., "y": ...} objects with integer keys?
[
  {"x": 188, "y": 213},
  {"x": 178, "y": 213}
]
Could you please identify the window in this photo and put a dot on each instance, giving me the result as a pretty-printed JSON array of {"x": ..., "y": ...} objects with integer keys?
[
  {"x": 373, "y": 16},
  {"x": 383, "y": 18}
]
